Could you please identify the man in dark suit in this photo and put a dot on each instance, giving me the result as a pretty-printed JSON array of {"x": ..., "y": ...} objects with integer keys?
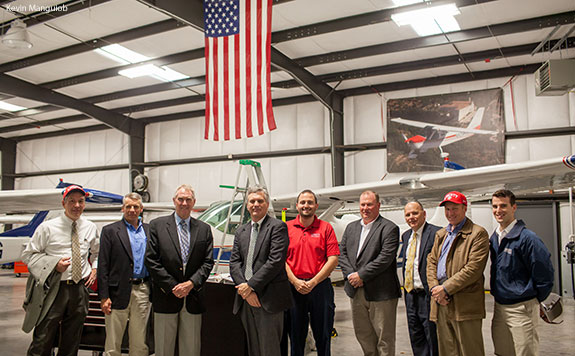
[
  {"x": 123, "y": 279},
  {"x": 369, "y": 264},
  {"x": 179, "y": 257},
  {"x": 417, "y": 243},
  {"x": 257, "y": 265}
]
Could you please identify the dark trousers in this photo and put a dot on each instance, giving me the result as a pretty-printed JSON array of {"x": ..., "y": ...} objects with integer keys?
[
  {"x": 422, "y": 331},
  {"x": 68, "y": 312},
  {"x": 316, "y": 309},
  {"x": 263, "y": 330}
]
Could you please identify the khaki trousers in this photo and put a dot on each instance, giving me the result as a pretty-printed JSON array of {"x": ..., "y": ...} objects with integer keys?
[
  {"x": 137, "y": 313},
  {"x": 458, "y": 338},
  {"x": 514, "y": 328},
  {"x": 187, "y": 327},
  {"x": 374, "y": 324}
]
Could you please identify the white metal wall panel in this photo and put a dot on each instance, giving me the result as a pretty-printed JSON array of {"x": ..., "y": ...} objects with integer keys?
[
  {"x": 99, "y": 148},
  {"x": 115, "y": 181}
]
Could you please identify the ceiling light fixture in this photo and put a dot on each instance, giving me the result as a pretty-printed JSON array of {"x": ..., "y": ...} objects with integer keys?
[
  {"x": 430, "y": 21},
  {"x": 10, "y": 107},
  {"x": 17, "y": 36},
  {"x": 121, "y": 54},
  {"x": 164, "y": 73}
]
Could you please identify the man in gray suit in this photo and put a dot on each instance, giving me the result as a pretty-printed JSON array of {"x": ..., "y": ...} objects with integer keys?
[
  {"x": 257, "y": 266},
  {"x": 417, "y": 243},
  {"x": 369, "y": 265}
]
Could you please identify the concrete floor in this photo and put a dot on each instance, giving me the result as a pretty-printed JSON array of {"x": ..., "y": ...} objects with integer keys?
[{"x": 554, "y": 339}]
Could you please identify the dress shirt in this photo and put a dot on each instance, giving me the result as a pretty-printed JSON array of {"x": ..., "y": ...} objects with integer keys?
[
  {"x": 502, "y": 233},
  {"x": 138, "y": 244},
  {"x": 417, "y": 283},
  {"x": 54, "y": 238},
  {"x": 187, "y": 222},
  {"x": 365, "y": 229},
  {"x": 441, "y": 271}
]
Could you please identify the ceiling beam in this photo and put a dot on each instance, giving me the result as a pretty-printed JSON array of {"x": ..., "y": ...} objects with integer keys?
[
  {"x": 20, "y": 88},
  {"x": 370, "y": 18},
  {"x": 132, "y": 34},
  {"x": 442, "y": 39},
  {"x": 37, "y": 18}
]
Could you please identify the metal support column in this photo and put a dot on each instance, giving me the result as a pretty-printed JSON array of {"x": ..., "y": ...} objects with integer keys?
[
  {"x": 337, "y": 144},
  {"x": 136, "y": 155},
  {"x": 8, "y": 148}
]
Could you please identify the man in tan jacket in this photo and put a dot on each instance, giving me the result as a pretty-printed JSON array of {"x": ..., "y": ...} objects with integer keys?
[{"x": 455, "y": 275}]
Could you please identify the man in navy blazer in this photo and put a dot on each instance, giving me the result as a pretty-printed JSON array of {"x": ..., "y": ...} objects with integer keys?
[
  {"x": 179, "y": 257},
  {"x": 418, "y": 240},
  {"x": 123, "y": 280},
  {"x": 257, "y": 266},
  {"x": 369, "y": 265}
]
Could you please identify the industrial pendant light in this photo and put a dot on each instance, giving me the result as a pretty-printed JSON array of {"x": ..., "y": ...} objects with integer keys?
[{"x": 17, "y": 36}]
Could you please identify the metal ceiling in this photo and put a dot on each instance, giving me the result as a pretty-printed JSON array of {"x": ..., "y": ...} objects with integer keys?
[{"x": 333, "y": 48}]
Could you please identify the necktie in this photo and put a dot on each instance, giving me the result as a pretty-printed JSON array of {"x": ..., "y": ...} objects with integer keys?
[
  {"x": 184, "y": 240},
  {"x": 408, "y": 285},
  {"x": 76, "y": 258},
  {"x": 252, "y": 247}
]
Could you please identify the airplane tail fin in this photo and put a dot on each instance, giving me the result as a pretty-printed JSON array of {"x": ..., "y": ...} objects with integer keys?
[
  {"x": 27, "y": 230},
  {"x": 475, "y": 123}
]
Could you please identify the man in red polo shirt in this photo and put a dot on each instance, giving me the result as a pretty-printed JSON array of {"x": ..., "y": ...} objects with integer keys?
[{"x": 312, "y": 255}]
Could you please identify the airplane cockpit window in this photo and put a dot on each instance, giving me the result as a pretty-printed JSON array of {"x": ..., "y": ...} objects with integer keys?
[{"x": 217, "y": 213}]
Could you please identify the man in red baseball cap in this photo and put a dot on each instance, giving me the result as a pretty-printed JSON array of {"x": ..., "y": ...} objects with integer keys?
[
  {"x": 455, "y": 275},
  {"x": 58, "y": 253}
]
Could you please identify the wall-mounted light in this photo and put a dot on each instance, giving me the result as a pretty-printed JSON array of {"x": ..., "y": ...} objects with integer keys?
[{"x": 17, "y": 36}]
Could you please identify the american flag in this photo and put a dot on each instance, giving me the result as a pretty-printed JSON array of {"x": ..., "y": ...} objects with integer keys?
[{"x": 238, "y": 95}]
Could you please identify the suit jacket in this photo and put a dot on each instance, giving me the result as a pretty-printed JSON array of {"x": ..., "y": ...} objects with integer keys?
[
  {"x": 269, "y": 280},
  {"x": 465, "y": 263},
  {"x": 41, "y": 290},
  {"x": 164, "y": 262},
  {"x": 116, "y": 264},
  {"x": 425, "y": 245},
  {"x": 377, "y": 260}
]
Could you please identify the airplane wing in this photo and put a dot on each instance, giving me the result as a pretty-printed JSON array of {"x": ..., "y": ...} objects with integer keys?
[
  {"x": 442, "y": 127},
  {"x": 33, "y": 200},
  {"x": 476, "y": 183}
]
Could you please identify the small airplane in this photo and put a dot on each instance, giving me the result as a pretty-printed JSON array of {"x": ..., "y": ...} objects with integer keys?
[
  {"x": 41, "y": 201},
  {"x": 439, "y": 136},
  {"x": 476, "y": 183}
]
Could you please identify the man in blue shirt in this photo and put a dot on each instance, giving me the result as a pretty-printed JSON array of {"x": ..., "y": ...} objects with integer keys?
[
  {"x": 123, "y": 279},
  {"x": 521, "y": 277}
]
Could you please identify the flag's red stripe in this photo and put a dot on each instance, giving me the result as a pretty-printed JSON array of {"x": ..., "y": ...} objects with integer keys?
[
  {"x": 259, "y": 103},
  {"x": 237, "y": 85},
  {"x": 248, "y": 58},
  {"x": 217, "y": 87},
  {"x": 270, "y": 112},
  {"x": 207, "y": 103},
  {"x": 226, "y": 91}
]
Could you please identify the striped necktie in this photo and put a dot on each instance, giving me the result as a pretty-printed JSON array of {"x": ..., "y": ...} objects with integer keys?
[
  {"x": 184, "y": 240},
  {"x": 408, "y": 285},
  {"x": 251, "y": 249},
  {"x": 76, "y": 257}
]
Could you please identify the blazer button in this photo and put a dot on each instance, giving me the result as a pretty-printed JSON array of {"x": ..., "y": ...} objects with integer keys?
[{"x": 180, "y": 268}]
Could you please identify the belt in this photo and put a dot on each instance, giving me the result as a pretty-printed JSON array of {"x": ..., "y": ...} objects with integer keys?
[
  {"x": 139, "y": 280},
  {"x": 70, "y": 282},
  {"x": 417, "y": 291}
]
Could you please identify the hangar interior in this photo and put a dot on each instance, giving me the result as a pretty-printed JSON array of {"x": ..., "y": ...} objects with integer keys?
[{"x": 335, "y": 64}]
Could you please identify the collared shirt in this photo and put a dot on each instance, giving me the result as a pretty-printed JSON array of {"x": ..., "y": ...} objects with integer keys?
[
  {"x": 441, "y": 270},
  {"x": 138, "y": 244},
  {"x": 309, "y": 247},
  {"x": 187, "y": 224},
  {"x": 54, "y": 238},
  {"x": 417, "y": 283},
  {"x": 365, "y": 229},
  {"x": 502, "y": 233}
]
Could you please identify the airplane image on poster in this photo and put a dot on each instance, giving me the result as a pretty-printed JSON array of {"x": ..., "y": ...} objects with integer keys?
[{"x": 439, "y": 136}]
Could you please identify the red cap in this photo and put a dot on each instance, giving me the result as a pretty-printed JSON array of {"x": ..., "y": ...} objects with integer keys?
[
  {"x": 73, "y": 188},
  {"x": 454, "y": 197}
]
